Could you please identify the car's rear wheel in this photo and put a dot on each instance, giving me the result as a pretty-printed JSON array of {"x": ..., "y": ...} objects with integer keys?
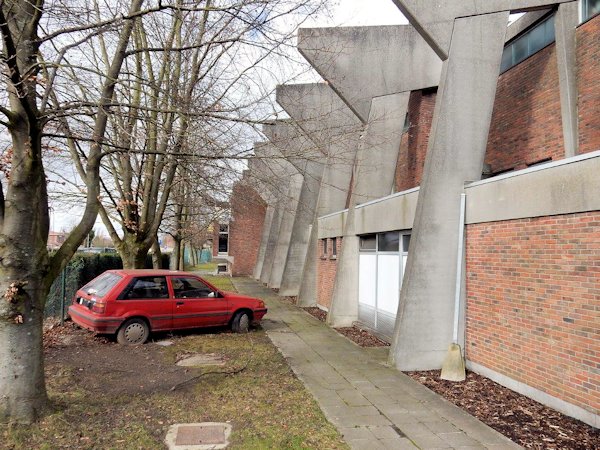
[
  {"x": 241, "y": 322},
  {"x": 133, "y": 332}
]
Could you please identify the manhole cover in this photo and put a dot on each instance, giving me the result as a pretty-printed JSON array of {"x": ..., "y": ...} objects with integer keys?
[
  {"x": 209, "y": 359},
  {"x": 198, "y": 436}
]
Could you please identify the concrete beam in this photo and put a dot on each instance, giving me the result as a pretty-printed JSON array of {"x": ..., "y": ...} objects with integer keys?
[
  {"x": 434, "y": 19},
  {"x": 362, "y": 63},
  {"x": 282, "y": 172},
  {"x": 567, "y": 19},
  {"x": 330, "y": 124},
  {"x": 310, "y": 162},
  {"x": 458, "y": 140}
]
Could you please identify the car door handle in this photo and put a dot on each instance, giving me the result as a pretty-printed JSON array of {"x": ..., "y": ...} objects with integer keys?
[{"x": 179, "y": 303}]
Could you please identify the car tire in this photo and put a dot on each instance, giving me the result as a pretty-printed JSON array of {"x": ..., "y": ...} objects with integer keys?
[
  {"x": 133, "y": 332},
  {"x": 241, "y": 322}
]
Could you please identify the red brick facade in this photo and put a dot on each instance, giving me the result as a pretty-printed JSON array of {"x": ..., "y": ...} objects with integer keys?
[
  {"x": 526, "y": 124},
  {"x": 413, "y": 146},
  {"x": 533, "y": 303},
  {"x": 245, "y": 228},
  {"x": 326, "y": 269},
  {"x": 588, "y": 78}
]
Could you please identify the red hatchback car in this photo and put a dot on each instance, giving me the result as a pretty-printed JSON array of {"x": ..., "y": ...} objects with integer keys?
[{"x": 132, "y": 303}]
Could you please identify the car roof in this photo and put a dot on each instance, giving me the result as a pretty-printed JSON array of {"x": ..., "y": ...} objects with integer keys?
[{"x": 150, "y": 272}]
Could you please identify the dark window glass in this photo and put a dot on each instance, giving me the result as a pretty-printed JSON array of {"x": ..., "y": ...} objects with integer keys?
[
  {"x": 333, "y": 246},
  {"x": 146, "y": 288},
  {"x": 324, "y": 247},
  {"x": 368, "y": 242},
  {"x": 223, "y": 228},
  {"x": 223, "y": 243},
  {"x": 537, "y": 39},
  {"x": 520, "y": 49},
  {"x": 589, "y": 8},
  {"x": 531, "y": 42},
  {"x": 102, "y": 284},
  {"x": 388, "y": 242},
  {"x": 190, "y": 288},
  {"x": 507, "y": 60},
  {"x": 405, "y": 242}
]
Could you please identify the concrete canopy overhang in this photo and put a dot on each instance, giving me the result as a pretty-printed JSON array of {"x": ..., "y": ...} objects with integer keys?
[
  {"x": 363, "y": 63},
  {"x": 434, "y": 19}
]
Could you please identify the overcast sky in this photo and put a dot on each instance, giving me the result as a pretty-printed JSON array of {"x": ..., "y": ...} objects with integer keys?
[{"x": 363, "y": 12}]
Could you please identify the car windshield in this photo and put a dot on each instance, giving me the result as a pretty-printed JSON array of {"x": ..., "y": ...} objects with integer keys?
[{"x": 101, "y": 285}]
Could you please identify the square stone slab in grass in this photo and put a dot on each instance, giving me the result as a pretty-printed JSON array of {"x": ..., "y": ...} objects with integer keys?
[
  {"x": 208, "y": 359},
  {"x": 198, "y": 436}
]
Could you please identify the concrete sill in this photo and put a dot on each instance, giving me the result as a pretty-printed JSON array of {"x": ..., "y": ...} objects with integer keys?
[{"x": 333, "y": 257}]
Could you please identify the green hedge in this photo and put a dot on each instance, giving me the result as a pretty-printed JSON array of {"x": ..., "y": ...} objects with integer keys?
[{"x": 83, "y": 268}]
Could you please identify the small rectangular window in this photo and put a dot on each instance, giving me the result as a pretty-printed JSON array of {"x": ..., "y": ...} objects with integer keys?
[
  {"x": 368, "y": 242},
  {"x": 333, "y": 246},
  {"x": 324, "y": 248},
  {"x": 405, "y": 243},
  {"x": 389, "y": 241}
]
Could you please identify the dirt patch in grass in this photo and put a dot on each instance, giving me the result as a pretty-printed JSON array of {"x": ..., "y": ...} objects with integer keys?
[
  {"x": 112, "y": 396},
  {"x": 526, "y": 422}
]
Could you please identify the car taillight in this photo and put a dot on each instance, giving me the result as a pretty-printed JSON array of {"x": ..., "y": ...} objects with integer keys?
[
  {"x": 261, "y": 304},
  {"x": 98, "y": 307}
]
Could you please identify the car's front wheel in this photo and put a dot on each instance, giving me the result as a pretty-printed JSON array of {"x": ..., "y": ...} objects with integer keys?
[
  {"x": 240, "y": 322},
  {"x": 133, "y": 332}
]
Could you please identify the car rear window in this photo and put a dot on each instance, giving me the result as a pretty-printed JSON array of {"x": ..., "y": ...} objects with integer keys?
[
  {"x": 145, "y": 288},
  {"x": 100, "y": 286}
]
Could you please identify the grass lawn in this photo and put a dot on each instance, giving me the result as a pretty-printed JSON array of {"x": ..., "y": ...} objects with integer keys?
[{"x": 109, "y": 396}]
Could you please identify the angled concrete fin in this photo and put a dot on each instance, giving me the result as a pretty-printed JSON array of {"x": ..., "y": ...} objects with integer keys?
[
  {"x": 434, "y": 19},
  {"x": 361, "y": 63}
]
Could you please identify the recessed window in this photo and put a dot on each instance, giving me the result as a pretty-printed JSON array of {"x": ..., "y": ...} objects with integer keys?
[
  {"x": 589, "y": 8},
  {"x": 223, "y": 238},
  {"x": 388, "y": 242},
  {"x": 368, "y": 242},
  {"x": 324, "y": 254},
  {"x": 333, "y": 247},
  {"x": 529, "y": 43}
]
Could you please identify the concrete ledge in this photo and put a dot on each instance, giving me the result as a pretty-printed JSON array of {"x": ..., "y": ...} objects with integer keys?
[
  {"x": 537, "y": 395},
  {"x": 567, "y": 186}
]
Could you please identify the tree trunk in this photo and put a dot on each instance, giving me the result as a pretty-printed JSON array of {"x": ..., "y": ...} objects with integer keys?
[
  {"x": 156, "y": 255},
  {"x": 23, "y": 267},
  {"x": 133, "y": 253},
  {"x": 175, "y": 258}
]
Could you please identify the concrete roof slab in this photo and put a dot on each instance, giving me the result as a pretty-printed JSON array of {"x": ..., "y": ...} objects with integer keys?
[{"x": 361, "y": 63}]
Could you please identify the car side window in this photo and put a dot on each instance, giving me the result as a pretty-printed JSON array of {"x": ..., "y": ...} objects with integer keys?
[
  {"x": 190, "y": 288},
  {"x": 145, "y": 288}
]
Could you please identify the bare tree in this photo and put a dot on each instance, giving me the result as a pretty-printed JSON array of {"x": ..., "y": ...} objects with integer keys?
[{"x": 90, "y": 79}]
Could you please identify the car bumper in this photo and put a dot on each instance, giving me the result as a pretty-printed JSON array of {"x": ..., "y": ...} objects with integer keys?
[
  {"x": 258, "y": 314},
  {"x": 92, "y": 322}
]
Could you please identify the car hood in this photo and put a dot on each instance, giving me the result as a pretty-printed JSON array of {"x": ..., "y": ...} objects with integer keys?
[{"x": 235, "y": 295}]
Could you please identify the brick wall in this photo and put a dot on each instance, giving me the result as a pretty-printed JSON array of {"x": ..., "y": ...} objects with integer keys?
[
  {"x": 588, "y": 77},
  {"x": 245, "y": 229},
  {"x": 326, "y": 271},
  {"x": 526, "y": 123},
  {"x": 533, "y": 303},
  {"x": 413, "y": 146}
]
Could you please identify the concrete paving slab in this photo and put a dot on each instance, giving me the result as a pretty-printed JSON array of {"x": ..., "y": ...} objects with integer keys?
[{"x": 373, "y": 406}]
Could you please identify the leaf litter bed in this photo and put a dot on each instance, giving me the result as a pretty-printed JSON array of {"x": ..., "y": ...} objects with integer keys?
[{"x": 524, "y": 421}]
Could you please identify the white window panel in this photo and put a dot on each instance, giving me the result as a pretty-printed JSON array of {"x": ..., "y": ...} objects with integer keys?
[
  {"x": 367, "y": 279},
  {"x": 388, "y": 283}
]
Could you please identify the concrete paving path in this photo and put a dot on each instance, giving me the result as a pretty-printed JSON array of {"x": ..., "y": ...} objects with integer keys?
[{"x": 373, "y": 406}]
